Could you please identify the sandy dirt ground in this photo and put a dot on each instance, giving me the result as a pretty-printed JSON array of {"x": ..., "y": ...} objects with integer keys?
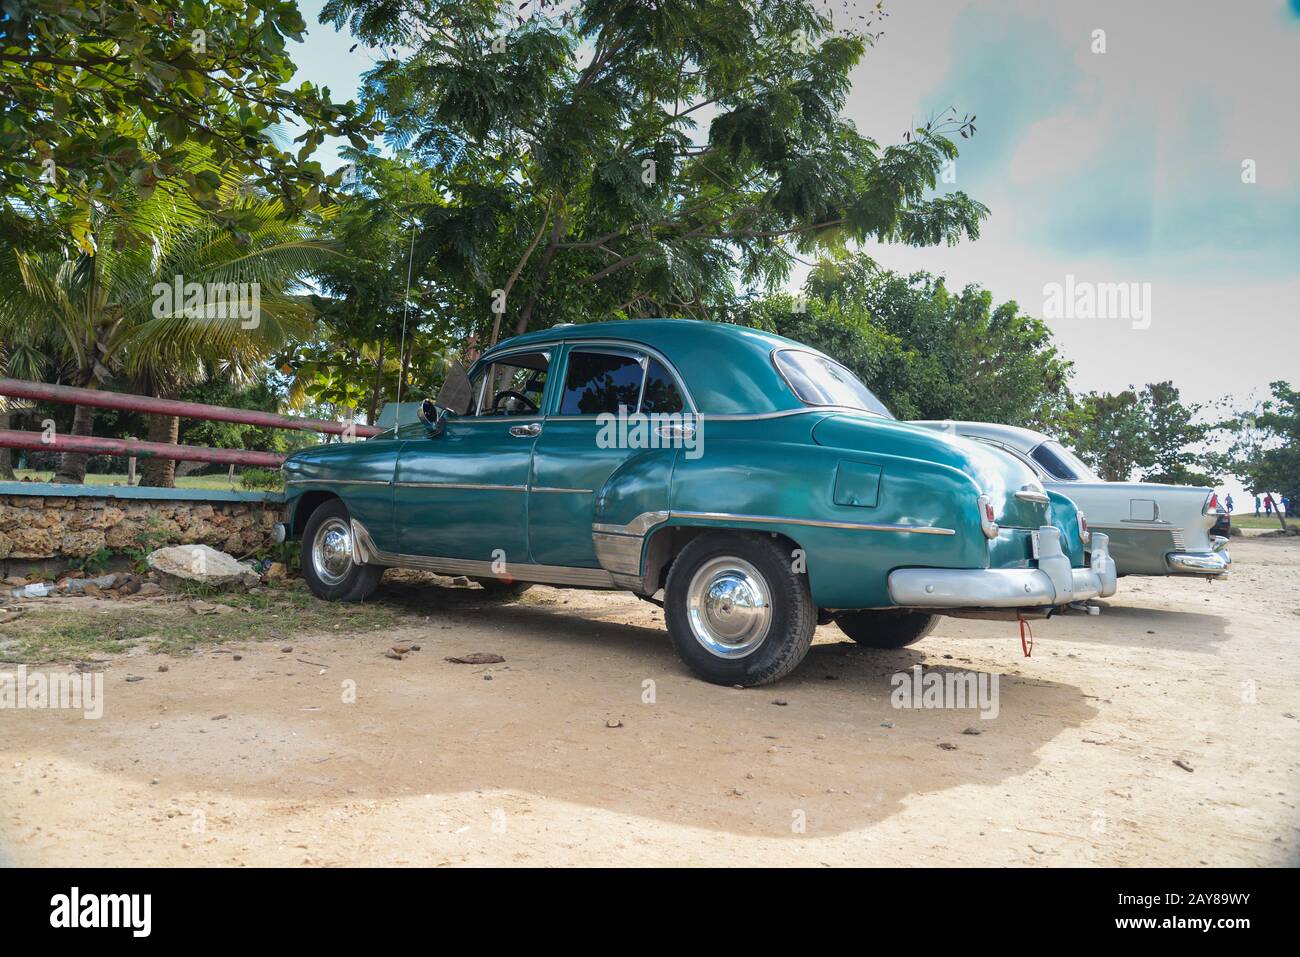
[{"x": 262, "y": 761}]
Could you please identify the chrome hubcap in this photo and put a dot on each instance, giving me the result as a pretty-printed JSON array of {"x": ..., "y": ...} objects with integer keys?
[
  {"x": 729, "y": 607},
  {"x": 331, "y": 552}
]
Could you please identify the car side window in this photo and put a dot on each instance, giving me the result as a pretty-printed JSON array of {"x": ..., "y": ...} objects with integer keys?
[
  {"x": 660, "y": 394},
  {"x": 598, "y": 381},
  {"x": 512, "y": 386}
]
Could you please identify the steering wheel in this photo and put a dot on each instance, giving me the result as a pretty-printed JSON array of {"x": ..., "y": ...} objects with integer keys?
[{"x": 512, "y": 394}]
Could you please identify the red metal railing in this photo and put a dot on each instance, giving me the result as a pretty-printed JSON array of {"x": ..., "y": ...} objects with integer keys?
[
  {"x": 16, "y": 439},
  {"x": 43, "y": 392}
]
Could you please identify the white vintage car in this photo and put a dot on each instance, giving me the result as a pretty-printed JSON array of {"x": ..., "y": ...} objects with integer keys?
[{"x": 1154, "y": 529}]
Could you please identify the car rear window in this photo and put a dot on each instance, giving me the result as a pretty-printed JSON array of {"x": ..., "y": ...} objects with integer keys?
[
  {"x": 817, "y": 380},
  {"x": 1060, "y": 463}
]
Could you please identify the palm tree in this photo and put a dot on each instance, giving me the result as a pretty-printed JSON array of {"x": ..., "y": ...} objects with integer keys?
[
  {"x": 103, "y": 303},
  {"x": 173, "y": 348},
  {"x": 23, "y": 354}
]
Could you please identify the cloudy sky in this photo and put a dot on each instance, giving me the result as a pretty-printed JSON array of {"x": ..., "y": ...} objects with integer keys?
[{"x": 1123, "y": 166}]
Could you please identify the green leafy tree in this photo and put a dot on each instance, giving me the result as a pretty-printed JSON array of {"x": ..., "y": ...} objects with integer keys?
[
  {"x": 259, "y": 394},
  {"x": 1145, "y": 434},
  {"x": 98, "y": 95},
  {"x": 380, "y": 322},
  {"x": 1265, "y": 450},
  {"x": 1110, "y": 433},
  {"x": 944, "y": 356},
  {"x": 105, "y": 313},
  {"x": 1176, "y": 439},
  {"x": 875, "y": 356},
  {"x": 617, "y": 157}
]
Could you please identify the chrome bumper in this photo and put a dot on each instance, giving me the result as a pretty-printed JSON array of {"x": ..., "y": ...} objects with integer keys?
[
  {"x": 1053, "y": 582},
  {"x": 1199, "y": 563}
]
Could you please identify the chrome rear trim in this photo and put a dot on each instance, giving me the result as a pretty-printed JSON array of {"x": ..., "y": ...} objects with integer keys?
[{"x": 1199, "y": 563}]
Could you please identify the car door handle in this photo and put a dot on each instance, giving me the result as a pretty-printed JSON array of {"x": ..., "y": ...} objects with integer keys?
[
  {"x": 523, "y": 431},
  {"x": 673, "y": 431}
]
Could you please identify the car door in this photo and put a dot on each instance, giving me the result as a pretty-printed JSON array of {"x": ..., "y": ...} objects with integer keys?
[
  {"x": 572, "y": 458},
  {"x": 463, "y": 493}
]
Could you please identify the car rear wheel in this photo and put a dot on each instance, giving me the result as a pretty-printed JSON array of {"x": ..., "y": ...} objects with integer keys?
[
  {"x": 737, "y": 612},
  {"x": 886, "y": 628},
  {"x": 327, "y": 563}
]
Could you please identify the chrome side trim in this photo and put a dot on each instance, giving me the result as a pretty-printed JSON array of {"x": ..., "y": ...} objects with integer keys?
[
  {"x": 618, "y": 554},
  {"x": 638, "y": 526},
  {"x": 492, "y": 488},
  {"x": 1127, "y": 525},
  {"x": 618, "y": 547},
  {"x": 626, "y": 344},
  {"x": 495, "y": 419},
  {"x": 337, "y": 481},
  {"x": 469, "y": 485},
  {"x": 817, "y": 523},
  {"x": 634, "y": 346},
  {"x": 782, "y": 413},
  {"x": 365, "y": 552}
]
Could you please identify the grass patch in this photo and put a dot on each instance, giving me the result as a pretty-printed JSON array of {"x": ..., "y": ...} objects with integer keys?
[
  {"x": 218, "y": 482},
  {"x": 274, "y": 614},
  {"x": 1250, "y": 521}
]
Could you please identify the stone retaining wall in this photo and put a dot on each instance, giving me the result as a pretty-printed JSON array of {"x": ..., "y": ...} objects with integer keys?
[{"x": 38, "y": 527}]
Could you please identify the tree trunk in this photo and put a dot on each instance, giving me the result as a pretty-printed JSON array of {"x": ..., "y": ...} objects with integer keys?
[
  {"x": 379, "y": 385},
  {"x": 6, "y": 455},
  {"x": 72, "y": 465},
  {"x": 155, "y": 472},
  {"x": 548, "y": 255}
]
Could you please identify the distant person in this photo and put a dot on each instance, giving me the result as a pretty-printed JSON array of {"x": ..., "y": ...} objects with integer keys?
[
  {"x": 1228, "y": 501},
  {"x": 1286, "y": 506},
  {"x": 1257, "y": 506},
  {"x": 1268, "y": 504}
]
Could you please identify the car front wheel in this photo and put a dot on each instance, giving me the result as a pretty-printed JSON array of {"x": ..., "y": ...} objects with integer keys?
[
  {"x": 886, "y": 628},
  {"x": 327, "y": 563},
  {"x": 737, "y": 612}
]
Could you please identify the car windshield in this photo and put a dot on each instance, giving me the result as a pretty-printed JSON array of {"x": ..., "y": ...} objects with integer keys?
[
  {"x": 817, "y": 380},
  {"x": 1062, "y": 464}
]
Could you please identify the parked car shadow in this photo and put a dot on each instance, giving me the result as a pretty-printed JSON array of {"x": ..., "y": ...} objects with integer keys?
[
  {"x": 591, "y": 707},
  {"x": 740, "y": 761},
  {"x": 1134, "y": 626}
]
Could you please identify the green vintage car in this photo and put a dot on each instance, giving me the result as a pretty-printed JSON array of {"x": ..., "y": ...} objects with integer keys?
[{"x": 751, "y": 485}]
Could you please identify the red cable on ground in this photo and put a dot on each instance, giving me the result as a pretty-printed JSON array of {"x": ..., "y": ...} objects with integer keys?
[{"x": 1026, "y": 646}]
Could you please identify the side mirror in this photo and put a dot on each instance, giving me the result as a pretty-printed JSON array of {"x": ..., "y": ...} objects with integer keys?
[{"x": 434, "y": 417}]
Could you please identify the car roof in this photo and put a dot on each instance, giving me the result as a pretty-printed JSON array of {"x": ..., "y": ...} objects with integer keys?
[
  {"x": 726, "y": 368},
  {"x": 1023, "y": 439}
]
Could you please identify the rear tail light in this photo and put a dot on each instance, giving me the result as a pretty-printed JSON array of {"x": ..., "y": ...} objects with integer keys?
[
  {"x": 1211, "y": 504},
  {"x": 987, "y": 523},
  {"x": 1085, "y": 536}
]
